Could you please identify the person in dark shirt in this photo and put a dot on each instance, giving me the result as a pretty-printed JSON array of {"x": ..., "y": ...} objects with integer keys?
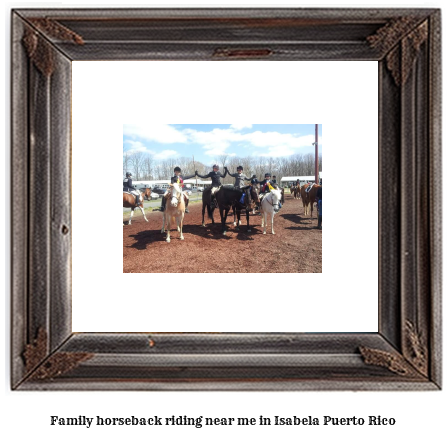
[
  {"x": 319, "y": 199},
  {"x": 266, "y": 184},
  {"x": 128, "y": 186},
  {"x": 127, "y": 183},
  {"x": 177, "y": 178},
  {"x": 239, "y": 182},
  {"x": 215, "y": 176},
  {"x": 274, "y": 179}
]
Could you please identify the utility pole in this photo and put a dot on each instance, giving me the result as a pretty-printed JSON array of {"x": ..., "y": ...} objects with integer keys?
[{"x": 317, "y": 173}]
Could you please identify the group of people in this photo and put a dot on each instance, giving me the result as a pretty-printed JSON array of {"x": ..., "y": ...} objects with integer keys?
[{"x": 266, "y": 185}]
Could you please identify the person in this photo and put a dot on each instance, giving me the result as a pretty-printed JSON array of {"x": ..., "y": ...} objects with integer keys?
[
  {"x": 266, "y": 186},
  {"x": 274, "y": 180},
  {"x": 177, "y": 178},
  {"x": 128, "y": 186},
  {"x": 215, "y": 176},
  {"x": 319, "y": 199},
  {"x": 239, "y": 180}
]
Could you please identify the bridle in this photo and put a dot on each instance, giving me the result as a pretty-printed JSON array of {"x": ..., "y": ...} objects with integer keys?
[{"x": 270, "y": 202}]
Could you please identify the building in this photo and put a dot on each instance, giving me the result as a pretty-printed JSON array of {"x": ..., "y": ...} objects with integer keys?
[
  {"x": 289, "y": 180},
  {"x": 164, "y": 183}
]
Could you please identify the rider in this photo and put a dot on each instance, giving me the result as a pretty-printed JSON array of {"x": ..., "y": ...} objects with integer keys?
[
  {"x": 129, "y": 188},
  {"x": 215, "y": 176},
  {"x": 266, "y": 186},
  {"x": 239, "y": 181},
  {"x": 177, "y": 178}
]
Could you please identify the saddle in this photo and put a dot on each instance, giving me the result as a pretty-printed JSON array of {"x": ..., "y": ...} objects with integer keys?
[{"x": 310, "y": 186}]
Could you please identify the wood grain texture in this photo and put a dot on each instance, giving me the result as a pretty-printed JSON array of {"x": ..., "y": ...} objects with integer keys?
[{"x": 409, "y": 336}]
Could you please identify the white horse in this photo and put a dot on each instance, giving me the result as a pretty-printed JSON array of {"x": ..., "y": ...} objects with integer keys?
[
  {"x": 175, "y": 208},
  {"x": 269, "y": 205}
]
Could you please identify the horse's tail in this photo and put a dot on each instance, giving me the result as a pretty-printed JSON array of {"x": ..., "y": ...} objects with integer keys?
[{"x": 209, "y": 211}]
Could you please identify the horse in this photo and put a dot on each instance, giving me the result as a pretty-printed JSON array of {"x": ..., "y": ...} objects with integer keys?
[
  {"x": 175, "y": 208},
  {"x": 282, "y": 195},
  {"x": 226, "y": 197},
  {"x": 132, "y": 202},
  {"x": 308, "y": 198},
  {"x": 295, "y": 191},
  {"x": 147, "y": 193},
  {"x": 249, "y": 204},
  {"x": 269, "y": 205}
]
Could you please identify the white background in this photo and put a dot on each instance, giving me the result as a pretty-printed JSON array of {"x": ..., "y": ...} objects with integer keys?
[
  {"x": 342, "y": 97},
  {"x": 417, "y": 414}
]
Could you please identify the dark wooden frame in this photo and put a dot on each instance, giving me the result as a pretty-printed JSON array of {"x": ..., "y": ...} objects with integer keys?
[{"x": 405, "y": 354}]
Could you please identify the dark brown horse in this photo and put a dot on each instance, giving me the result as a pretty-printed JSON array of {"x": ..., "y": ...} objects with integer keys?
[
  {"x": 252, "y": 192},
  {"x": 133, "y": 202},
  {"x": 226, "y": 197},
  {"x": 308, "y": 198}
]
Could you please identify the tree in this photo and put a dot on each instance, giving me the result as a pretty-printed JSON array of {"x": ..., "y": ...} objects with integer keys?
[
  {"x": 126, "y": 162},
  {"x": 148, "y": 163},
  {"x": 136, "y": 160}
]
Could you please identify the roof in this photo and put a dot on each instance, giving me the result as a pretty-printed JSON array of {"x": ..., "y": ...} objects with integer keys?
[
  {"x": 302, "y": 178},
  {"x": 168, "y": 181}
]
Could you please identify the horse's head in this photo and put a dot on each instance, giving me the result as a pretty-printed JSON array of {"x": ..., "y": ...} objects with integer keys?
[
  {"x": 276, "y": 197},
  {"x": 254, "y": 194},
  {"x": 176, "y": 193}
]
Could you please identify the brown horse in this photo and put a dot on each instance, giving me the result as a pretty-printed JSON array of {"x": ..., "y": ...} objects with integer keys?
[
  {"x": 175, "y": 209},
  {"x": 295, "y": 191},
  {"x": 147, "y": 193},
  {"x": 308, "y": 198},
  {"x": 133, "y": 202}
]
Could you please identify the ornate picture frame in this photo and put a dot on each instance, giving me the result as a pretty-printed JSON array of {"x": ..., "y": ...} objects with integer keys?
[{"x": 405, "y": 353}]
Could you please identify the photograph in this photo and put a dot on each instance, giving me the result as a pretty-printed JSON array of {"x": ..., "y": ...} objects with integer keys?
[
  {"x": 221, "y": 189},
  {"x": 211, "y": 309}
]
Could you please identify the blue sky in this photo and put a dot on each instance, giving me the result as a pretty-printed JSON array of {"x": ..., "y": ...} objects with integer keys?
[{"x": 207, "y": 142}]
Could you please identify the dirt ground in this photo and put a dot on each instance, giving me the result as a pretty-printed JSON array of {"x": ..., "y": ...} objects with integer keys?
[{"x": 296, "y": 246}]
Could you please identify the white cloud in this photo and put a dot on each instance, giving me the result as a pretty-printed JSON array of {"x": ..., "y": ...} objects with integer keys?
[
  {"x": 279, "y": 151},
  {"x": 132, "y": 147},
  {"x": 155, "y": 132},
  {"x": 217, "y": 141},
  {"x": 165, "y": 154},
  {"x": 240, "y": 126}
]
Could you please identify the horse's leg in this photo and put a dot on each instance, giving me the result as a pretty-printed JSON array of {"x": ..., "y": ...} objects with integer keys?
[
  {"x": 203, "y": 213},
  {"x": 212, "y": 214},
  {"x": 180, "y": 226},
  {"x": 164, "y": 222},
  {"x": 168, "y": 228},
  {"x": 142, "y": 211},
  {"x": 237, "y": 217},
  {"x": 225, "y": 220},
  {"x": 273, "y": 215},
  {"x": 264, "y": 222},
  {"x": 222, "y": 221},
  {"x": 131, "y": 215},
  {"x": 247, "y": 214},
  {"x": 234, "y": 216}
]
